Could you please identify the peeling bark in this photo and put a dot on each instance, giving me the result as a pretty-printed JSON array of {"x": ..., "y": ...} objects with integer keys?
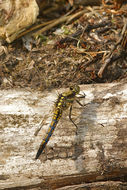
[
  {"x": 16, "y": 16},
  {"x": 96, "y": 153}
]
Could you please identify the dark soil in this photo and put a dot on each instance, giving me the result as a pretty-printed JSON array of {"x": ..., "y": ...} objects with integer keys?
[{"x": 73, "y": 54}]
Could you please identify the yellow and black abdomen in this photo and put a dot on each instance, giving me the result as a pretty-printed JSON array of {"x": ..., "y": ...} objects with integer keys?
[{"x": 56, "y": 116}]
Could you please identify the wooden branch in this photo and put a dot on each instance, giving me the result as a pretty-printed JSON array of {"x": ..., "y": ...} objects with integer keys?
[
  {"x": 48, "y": 27},
  {"x": 58, "y": 21},
  {"x": 97, "y": 153}
]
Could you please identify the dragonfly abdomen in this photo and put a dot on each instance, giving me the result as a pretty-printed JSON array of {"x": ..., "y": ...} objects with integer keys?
[{"x": 47, "y": 137}]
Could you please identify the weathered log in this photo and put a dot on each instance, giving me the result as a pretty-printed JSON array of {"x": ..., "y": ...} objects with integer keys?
[
  {"x": 97, "y": 151},
  {"x": 97, "y": 186}
]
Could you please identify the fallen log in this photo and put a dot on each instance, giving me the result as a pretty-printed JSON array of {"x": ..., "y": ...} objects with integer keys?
[
  {"x": 97, "y": 186},
  {"x": 95, "y": 152}
]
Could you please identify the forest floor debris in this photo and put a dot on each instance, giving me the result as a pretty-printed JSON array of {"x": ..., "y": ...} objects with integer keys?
[{"x": 90, "y": 49}]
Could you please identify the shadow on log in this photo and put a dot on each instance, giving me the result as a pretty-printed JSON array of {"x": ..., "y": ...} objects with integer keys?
[{"x": 95, "y": 152}]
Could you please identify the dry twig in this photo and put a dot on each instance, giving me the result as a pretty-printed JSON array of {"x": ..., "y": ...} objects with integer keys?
[{"x": 111, "y": 57}]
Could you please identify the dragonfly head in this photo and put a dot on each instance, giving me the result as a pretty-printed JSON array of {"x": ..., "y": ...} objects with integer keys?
[{"x": 75, "y": 89}]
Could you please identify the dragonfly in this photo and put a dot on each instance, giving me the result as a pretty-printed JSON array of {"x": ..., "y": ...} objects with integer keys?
[{"x": 64, "y": 101}]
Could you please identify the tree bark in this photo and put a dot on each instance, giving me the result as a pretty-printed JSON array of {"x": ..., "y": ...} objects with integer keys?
[{"x": 96, "y": 151}]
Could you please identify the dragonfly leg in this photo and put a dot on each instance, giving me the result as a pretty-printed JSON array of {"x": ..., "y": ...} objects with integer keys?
[
  {"x": 83, "y": 105},
  {"x": 71, "y": 118},
  {"x": 82, "y": 95},
  {"x": 79, "y": 103}
]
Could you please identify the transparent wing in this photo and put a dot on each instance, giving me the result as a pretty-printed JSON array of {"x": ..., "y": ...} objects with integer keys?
[{"x": 47, "y": 111}]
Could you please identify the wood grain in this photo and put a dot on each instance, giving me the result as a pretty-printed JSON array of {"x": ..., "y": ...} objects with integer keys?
[{"x": 96, "y": 153}]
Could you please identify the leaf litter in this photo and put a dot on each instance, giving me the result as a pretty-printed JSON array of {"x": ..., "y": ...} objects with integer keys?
[{"x": 87, "y": 46}]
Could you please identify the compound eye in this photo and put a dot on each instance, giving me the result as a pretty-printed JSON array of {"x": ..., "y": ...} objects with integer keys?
[{"x": 71, "y": 87}]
